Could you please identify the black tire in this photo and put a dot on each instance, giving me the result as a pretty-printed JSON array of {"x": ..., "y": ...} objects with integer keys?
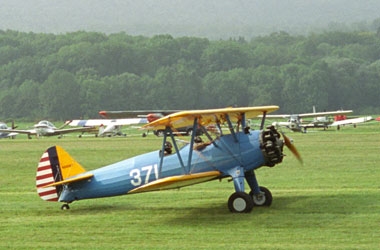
[
  {"x": 265, "y": 199},
  {"x": 65, "y": 207},
  {"x": 240, "y": 202}
]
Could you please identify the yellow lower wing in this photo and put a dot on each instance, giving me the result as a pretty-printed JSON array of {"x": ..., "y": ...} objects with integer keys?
[{"x": 177, "y": 181}]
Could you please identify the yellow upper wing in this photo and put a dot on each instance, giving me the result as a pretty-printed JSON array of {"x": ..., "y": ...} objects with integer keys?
[{"x": 208, "y": 116}]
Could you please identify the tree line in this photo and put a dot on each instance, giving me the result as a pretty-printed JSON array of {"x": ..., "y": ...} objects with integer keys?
[{"x": 75, "y": 75}]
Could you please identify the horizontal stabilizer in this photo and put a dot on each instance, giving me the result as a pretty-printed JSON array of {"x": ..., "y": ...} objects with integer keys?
[
  {"x": 71, "y": 180},
  {"x": 177, "y": 181}
]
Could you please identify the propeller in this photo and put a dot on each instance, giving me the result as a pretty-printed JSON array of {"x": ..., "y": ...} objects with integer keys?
[{"x": 292, "y": 148}]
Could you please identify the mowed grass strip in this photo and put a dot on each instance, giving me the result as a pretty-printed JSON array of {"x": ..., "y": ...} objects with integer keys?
[{"x": 329, "y": 202}]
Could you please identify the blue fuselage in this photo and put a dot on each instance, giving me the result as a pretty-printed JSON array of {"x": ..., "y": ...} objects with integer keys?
[{"x": 121, "y": 177}]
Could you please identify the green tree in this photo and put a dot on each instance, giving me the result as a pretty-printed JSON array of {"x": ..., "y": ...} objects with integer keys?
[
  {"x": 226, "y": 88},
  {"x": 27, "y": 102},
  {"x": 59, "y": 96},
  {"x": 224, "y": 56}
]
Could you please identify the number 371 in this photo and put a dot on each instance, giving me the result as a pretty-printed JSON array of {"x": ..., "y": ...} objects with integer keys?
[{"x": 138, "y": 174}]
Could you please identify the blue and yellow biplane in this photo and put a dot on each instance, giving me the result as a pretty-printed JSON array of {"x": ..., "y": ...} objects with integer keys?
[{"x": 235, "y": 154}]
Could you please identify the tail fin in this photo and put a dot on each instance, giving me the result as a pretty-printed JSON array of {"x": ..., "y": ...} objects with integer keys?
[{"x": 55, "y": 165}]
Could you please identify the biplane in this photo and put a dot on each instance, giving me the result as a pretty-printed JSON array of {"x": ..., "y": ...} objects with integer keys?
[{"x": 235, "y": 154}]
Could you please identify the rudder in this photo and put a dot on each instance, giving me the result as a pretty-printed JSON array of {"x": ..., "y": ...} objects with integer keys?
[{"x": 55, "y": 165}]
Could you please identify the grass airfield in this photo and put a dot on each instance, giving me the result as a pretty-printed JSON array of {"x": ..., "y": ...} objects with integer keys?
[{"x": 331, "y": 202}]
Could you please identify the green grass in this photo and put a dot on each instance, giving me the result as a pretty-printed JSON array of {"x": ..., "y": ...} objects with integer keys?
[{"x": 331, "y": 202}]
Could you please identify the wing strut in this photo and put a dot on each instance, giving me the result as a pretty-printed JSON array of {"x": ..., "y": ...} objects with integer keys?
[
  {"x": 162, "y": 154},
  {"x": 243, "y": 124},
  {"x": 263, "y": 120},
  {"x": 230, "y": 127},
  {"x": 195, "y": 127}
]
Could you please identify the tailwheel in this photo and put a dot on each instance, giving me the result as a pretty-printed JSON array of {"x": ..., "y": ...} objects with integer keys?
[
  {"x": 240, "y": 202},
  {"x": 264, "y": 198},
  {"x": 65, "y": 207}
]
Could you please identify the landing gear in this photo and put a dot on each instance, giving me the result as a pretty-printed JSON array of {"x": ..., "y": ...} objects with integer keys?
[
  {"x": 240, "y": 202},
  {"x": 264, "y": 198},
  {"x": 65, "y": 207}
]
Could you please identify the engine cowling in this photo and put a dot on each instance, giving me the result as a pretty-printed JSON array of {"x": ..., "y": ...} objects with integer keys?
[{"x": 272, "y": 146}]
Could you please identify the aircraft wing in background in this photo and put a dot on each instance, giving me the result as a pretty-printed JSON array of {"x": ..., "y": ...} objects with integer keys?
[
  {"x": 135, "y": 113},
  {"x": 107, "y": 127}
]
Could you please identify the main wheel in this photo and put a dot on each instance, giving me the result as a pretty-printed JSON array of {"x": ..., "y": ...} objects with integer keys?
[
  {"x": 262, "y": 199},
  {"x": 240, "y": 202}
]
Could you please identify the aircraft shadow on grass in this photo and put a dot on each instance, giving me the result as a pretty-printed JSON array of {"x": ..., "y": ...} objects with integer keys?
[
  {"x": 284, "y": 206},
  {"x": 339, "y": 204}
]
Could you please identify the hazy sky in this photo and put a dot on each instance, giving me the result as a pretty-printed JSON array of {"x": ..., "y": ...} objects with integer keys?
[{"x": 182, "y": 17}]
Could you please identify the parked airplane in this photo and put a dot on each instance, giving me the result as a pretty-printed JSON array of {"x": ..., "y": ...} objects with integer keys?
[
  {"x": 150, "y": 115},
  {"x": 107, "y": 127},
  {"x": 352, "y": 121},
  {"x": 5, "y": 131},
  {"x": 295, "y": 121},
  {"x": 236, "y": 154},
  {"x": 46, "y": 128}
]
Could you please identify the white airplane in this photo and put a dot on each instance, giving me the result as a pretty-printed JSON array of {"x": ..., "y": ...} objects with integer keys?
[
  {"x": 107, "y": 127},
  {"x": 321, "y": 120},
  {"x": 46, "y": 128},
  {"x": 352, "y": 121},
  {"x": 5, "y": 131}
]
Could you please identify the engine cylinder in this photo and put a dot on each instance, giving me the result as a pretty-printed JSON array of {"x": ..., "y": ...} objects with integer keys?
[{"x": 272, "y": 146}]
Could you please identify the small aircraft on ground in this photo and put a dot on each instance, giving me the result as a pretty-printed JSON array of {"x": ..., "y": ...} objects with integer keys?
[
  {"x": 150, "y": 115},
  {"x": 5, "y": 131},
  {"x": 107, "y": 127},
  {"x": 235, "y": 154},
  {"x": 352, "y": 121},
  {"x": 321, "y": 120},
  {"x": 46, "y": 128}
]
